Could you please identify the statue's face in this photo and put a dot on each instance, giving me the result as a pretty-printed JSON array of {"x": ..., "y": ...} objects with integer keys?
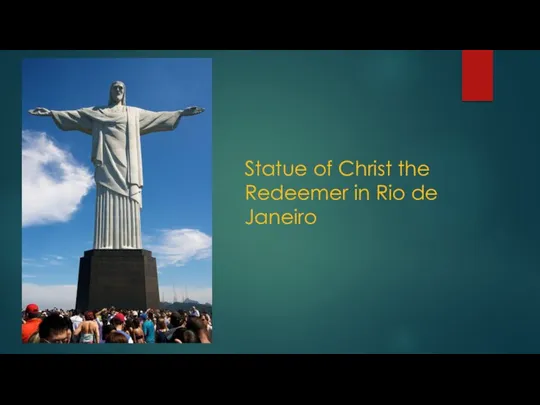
[{"x": 117, "y": 91}]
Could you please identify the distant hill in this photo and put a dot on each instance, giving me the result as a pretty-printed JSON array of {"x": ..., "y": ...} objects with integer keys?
[{"x": 186, "y": 306}]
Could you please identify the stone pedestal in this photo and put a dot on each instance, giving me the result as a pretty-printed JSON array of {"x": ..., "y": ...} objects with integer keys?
[{"x": 121, "y": 278}]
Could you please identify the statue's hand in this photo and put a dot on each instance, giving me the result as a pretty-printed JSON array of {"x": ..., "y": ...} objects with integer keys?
[
  {"x": 40, "y": 111},
  {"x": 192, "y": 111}
]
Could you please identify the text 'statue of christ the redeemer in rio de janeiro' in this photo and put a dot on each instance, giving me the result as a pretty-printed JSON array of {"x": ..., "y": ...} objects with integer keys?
[{"x": 116, "y": 155}]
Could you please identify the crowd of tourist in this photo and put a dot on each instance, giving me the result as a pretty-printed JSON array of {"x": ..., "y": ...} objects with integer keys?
[{"x": 110, "y": 325}]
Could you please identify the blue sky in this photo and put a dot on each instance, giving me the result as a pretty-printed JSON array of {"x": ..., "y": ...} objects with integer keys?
[{"x": 58, "y": 189}]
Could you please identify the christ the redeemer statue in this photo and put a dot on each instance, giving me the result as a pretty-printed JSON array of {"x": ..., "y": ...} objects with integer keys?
[{"x": 116, "y": 154}]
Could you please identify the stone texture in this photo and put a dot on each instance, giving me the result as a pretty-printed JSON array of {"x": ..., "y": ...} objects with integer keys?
[{"x": 121, "y": 278}]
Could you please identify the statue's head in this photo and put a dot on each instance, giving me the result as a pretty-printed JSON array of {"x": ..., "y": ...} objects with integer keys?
[{"x": 117, "y": 93}]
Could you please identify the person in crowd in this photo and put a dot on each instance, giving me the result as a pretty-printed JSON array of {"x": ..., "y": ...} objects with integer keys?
[
  {"x": 107, "y": 329},
  {"x": 137, "y": 333},
  {"x": 198, "y": 326},
  {"x": 117, "y": 336},
  {"x": 54, "y": 329},
  {"x": 119, "y": 322},
  {"x": 88, "y": 330},
  {"x": 77, "y": 318},
  {"x": 148, "y": 327},
  {"x": 205, "y": 318},
  {"x": 194, "y": 312},
  {"x": 177, "y": 327},
  {"x": 32, "y": 320},
  {"x": 161, "y": 331}
]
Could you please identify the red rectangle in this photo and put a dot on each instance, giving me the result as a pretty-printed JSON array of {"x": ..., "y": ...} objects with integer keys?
[{"x": 477, "y": 75}]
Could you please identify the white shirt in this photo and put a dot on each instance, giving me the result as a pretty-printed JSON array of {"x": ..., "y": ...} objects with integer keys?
[{"x": 76, "y": 321}]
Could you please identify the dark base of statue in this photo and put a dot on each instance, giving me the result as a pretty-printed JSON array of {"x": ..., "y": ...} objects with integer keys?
[{"x": 124, "y": 279}]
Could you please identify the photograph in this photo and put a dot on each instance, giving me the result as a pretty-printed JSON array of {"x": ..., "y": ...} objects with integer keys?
[{"x": 116, "y": 200}]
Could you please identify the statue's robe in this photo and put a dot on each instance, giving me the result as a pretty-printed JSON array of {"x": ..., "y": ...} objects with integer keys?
[{"x": 117, "y": 159}]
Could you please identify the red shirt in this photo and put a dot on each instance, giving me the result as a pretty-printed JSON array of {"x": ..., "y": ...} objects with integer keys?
[{"x": 29, "y": 328}]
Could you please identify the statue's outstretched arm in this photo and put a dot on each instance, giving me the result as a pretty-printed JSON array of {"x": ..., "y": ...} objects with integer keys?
[
  {"x": 192, "y": 111},
  {"x": 41, "y": 112},
  {"x": 72, "y": 120}
]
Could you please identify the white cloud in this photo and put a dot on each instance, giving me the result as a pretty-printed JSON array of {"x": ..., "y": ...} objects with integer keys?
[
  {"x": 52, "y": 260},
  {"x": 179, "y": 246},
  {"x": 64, "y": 296},
  {"x": 28, "y": 276},
  {"x": 46, "y": 261},
  {"x": 147, "y": 239},
  {"x": 49, "y": 296},
  {"x": 53, "y": 183},
  {"x": 29, "y": 262}
]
